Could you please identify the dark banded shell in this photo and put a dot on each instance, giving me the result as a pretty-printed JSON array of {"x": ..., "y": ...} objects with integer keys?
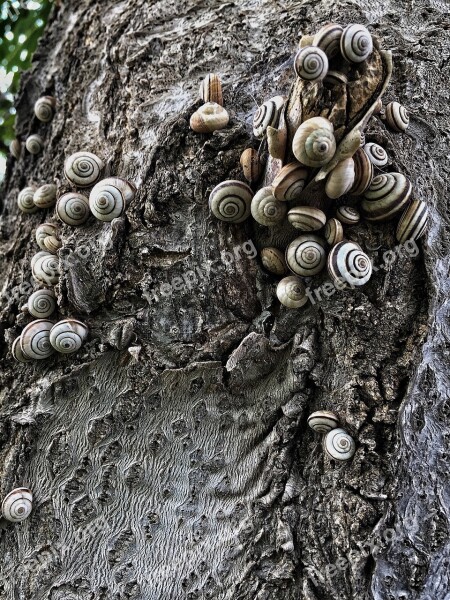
[
  {"x": 348, "y": 215},
  {"x": 413, "y": 222},
  {"x": 211, "y": 89},
  {"x": 311, "y": 64},
  {"x": 267, "y": 114},
  {"x": 290, "y": 181},
  {"x": 251, "y": 165},
  {"x": 273, "y": 260},
  {"x": 348, "y": 265},
  {"x": 323, "y": 421},
  {"x": 306, "y": 255},
  {"x": 333, "y": 232},
  {"x": 376, "y": 154},
  {"x": 306, "y": 218},
  {"x": 35, "y": 340},
  {"x": 356, "y": 43},
  {"x": 396, "y": 116},
  {"x": 291, "y": 292},
  {"x": 363, "y": 173},
  {"x": 387, "y": 195},
  {"x": 328, "y": 39},
  {"x": 230, "y": 201}
]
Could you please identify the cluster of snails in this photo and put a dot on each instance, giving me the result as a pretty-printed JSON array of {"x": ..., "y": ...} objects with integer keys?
[
  {"x": 17, "y": 505},
  {"x": 44, "y": 110},
  {"x": 353, "y": 168},
  {"x": 212, "y": 115},
  {"x": 337, "y": 443}
]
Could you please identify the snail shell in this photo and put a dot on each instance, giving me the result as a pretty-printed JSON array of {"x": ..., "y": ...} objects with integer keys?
[
  {"x": 34, "y": 144},
  {"x": 276, "y": 141},
  {"x": 387, "y": 195},
  {"x": 306, "y": 218},
  {"x": 45, "y": 196},
  {"x": 83, "y": 169},
  {"x": 290, "y": 181},
  {"x": 267, "y": 114},
  {"x": 291, "y": 292},
  {"x": 37, "y": 256},
  {"x": 273, "y": 260},
  {"x": 209, "y": 117},
  {"x": 339, "y": 445},
  {"x": 363, "y": 173},
  {"x": 25, "y": 201},
  {"x": 45, "y": 269},
  {"x": 109, "y": 197},
  {"x": 266, "y": 209},
  {"x": 348, "y": 266},
  {"x": 333, "y": 232},
  {"x": 413, "y": 222},
  {"x": 251, "y": 165},
  {"x": 17, "y": 353},
  {"x": 323, "y": 421},
  {"x": 211, "y": 89},
  {"x": 363, "y": 138},
  {"x": 73, "y": 209},
  {"x": 43, "y": 231},
  {"x": 17, "y": 505},
  {"x": 314, "y": 144},
  {"x": 44, "y": 108},
  {"x": 376, "y": 154},
  {"x": 306, "y": 256},
  {"x": 68, "y": 336},
  {"x": 41, "y": 304},
  {"x": 311, "y": 64},
  {"x": 356, "y": 43},
  {"x": 35, "y": 339},
  {"x": 341, "y": 179},
  {"x": 328, "y": 39},
  {"x": 396, "y": 116},
  {"x": 15, "y": 148},
  {"x": 348, "y": 215},
  {"x": 230, "y": 201},
  {"x": 52, "y": 244},
  {"x": 333, "y": 78}
]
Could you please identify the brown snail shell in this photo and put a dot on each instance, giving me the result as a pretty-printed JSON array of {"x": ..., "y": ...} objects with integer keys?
[
  {"x": 209, "y": 117},
  {"x": 251, "y": 165},
  {"x": 413, "y": 222},
  {"x": 211, "y": 89},
  {"x": 348, "y": 215},
  {"x": 306, "y": 218},
  {"x": 333, "y": 232},
  {"x": 363, "y": 173},
  {"x": 43, "y": 231},
  {"x": 273, "y": 260},
  {"x": 290, "y": 181}
]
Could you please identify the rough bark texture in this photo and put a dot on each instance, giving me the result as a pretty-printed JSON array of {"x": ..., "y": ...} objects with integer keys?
[{"x": 186, "y": 469}]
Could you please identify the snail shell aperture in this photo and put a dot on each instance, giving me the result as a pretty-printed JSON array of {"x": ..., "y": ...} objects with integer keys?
[
  {"x": 17, "y": 505},
  {"x": 209, "y": 117}
]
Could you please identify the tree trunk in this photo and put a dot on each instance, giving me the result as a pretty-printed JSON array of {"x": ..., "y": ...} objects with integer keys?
[{"x": 170, "y": 458}]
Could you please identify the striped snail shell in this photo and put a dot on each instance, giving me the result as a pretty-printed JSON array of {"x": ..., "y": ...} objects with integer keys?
[
  {"x": 45, "y": 269},
  {"x": 314, "y": 144},
  {"x": 211, "y": 89},
  {"x": 306, "y": 256},
  {"x": 341, "y": 179},
  {"x": 291, "y": 292},
  {"x": 377, "y": 155},
  {"x": 34, "y": 144},
  {"x": 208, "y": 118},
  {"x": 348, "y": 266},
  {"x": 109, "y": 197},
  {"x": 333, "y": 78},
  {"x": 68, "y": 336},
  {"x": 251, "y": 165},
  {"x": 25, "y": 201},
  {"x": 83, "y": 169},
  {"x": 17, "y": 505},
  {"x": 35, "y": 339},
  {"x": 42, "y": 303},
  {"x": 328, "y": 39},
  {"x": 396, "y": 116},
  {"x": 37, "y": 256},
  {"x": 43, "y": 231},
  {"x": 413, "y": 222},
  {"x": 17, "y": 353},
  {"x": 348, "y": 215},
  {"x": 44, "y": 108},
  {"x": 230, "y": 201},
  {"x": 45, "y": 196},
  {"x": 356, "y": 43},
  {"x": 387, "y": 195},
  {"x": 267, "y": 114},
  {"x": 339, "y": 445},
  {"x": 306, "y": 218},
  {"x": 73, "y": 209},
  {"x": 323, "y": 421},
  {"x": 266, "y": 209},
  {"x": 15, "y": 148},
  {"x": 363, "y": 173},
  {"x": 273, "y": 260},
  {"x": 290, "y": 181},
  {"x": 311, "y": 63},
  {"x": 363, "y": 139},
  {"x": 52, "y": 244},
  {"x": 333, "y": 232}
]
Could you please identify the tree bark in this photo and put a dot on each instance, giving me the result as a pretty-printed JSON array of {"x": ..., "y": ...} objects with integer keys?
[{"x": 170, "y": 457}]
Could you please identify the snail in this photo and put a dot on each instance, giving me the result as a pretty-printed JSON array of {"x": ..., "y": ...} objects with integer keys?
[
  {"x": 413, "y": 222},
  {"x": 306, "y": 218},
  {"x": 276, "y": 140},
  {"x": 45, "y": 196},
  {"x": 328, "y": 39},
  {"x": 341, "y": 179},
  {"x": 291, "y": 292},
  {"x": 356, "y": 43},
  {"x": 52, "y": 244},
  {"x": 209, "y": 117},
  {"x": 37, "y": 256},
  {"x": 35, "y": 339},
  {"x": 273, "y": 260},
  {"x": 348, "y": 215},
  {"x": 251, "y": 165},
  {"x": 290, "y": 181},
  {"x": 376, "y": 154},
  {"x": 17, "y": 505},
  {"x": 311, "y": 64},
  {"x": 230, "y": 201},
  {"x": 266, "y": 209},
  {"x": 333, "y": 78},
  {"x": 387, "y": 195},
  {"x": 45, "y": 269},
  {"x": 83, "y": 169},
  {"x": 396, "y": 116},
  {"x": 333, "y": 232},
  {"x": 314, "y": 144},
  {"x": 43, "y": 231},
  {"x": 339, "y": 445},
  {"x": 41, "y": 304},
  {"x": 306, "y": 256},
  {"x": 267, "y": 114},
  {"x": 363, "y": 173},
  {"x": 15, "y": 148},
  {"x": 348, "y": 266},
  {"x": 68, "y": 336},
  {"x": 44, "y": 108},
  {"x": 25, "y": 201},
  {"x": 34, "y": 144},
  {"x": 211, "y": 89},
  {"x": 73, "y": 209},
  {"x": 323, "y": 421},
  {"x": 363, "y": 138},
  {"x": 109, "y": 197},
  {"x": 17, "y": 353}
]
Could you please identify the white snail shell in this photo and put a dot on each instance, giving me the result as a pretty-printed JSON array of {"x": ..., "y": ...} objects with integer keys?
[
  {"x": 267, "y": 114},
  {"x": 290, "y": 181},
  {"x": 356, "y": 43},
  {"x": 34, "y": 144},
  {"x": 339, "y": 445},
  {"x": 25, "y": 201},
  {"x": 291, "y": 292},
  {"x": 333, "y": 78},
  {"x": 273, "y": 260},
  {"x": 230, "y": 201},
  {"x": 209, "y": 117},
  {"x": 17, "y": 505},
  {"x": 251, "y": 165},
  {"x": 37, "y": 256},
  {"x": 377, "y": 155},
  {"x": 45, "y": 196},
  {"x": 413, "y": 222},
  {"x": 311, "y": 64},
  {"x": 211, "y": 89},
  {"x": 306, "y": 218},
  {"x": 328, "y": 39},
  {"x": 83, "y": 169},
  {"x": 73, "y": 209},
  {"x": 68, "y": 336},
  {"x": 323, "y": 421},
  {"x": 17, "y": 353},
  {"x": 35, "y": 339},
  {"x": 348, "y": 215},
  {"x": 109, "y": 198},
  {"x": 306, "y": 255},
  {"x": 363, "y": 173},
  {"x": 42, "y": 303},
  {"x": 396, "y": 116},
  {"x": 15, "y": 148},
  {"x": 348, "y": 265},
  {"x": 341, "y": 179},
  {"x": 44, "y": 108},
  {"x": 266, "y": 209},
  {"x": 43, "y": 231},
  {"x": 314, "y": 144},
  {"x": 333, "y": 232},
  {"x": 387, "y": 195},
  {"x": 52, "y": 244},
  {"x": 45, "y": 269}
]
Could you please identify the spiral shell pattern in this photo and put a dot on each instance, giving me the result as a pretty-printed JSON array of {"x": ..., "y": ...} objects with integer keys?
[
  {"x": 311, "y": 64},
  {"x": 356, "y": 43},
  {"x": 230, "y": 201},
  {"x": 290, "y": 181},
  {"x": 35, "y": 339},
  {"x": 73, "y": 209},
  {"x": 291, "y": 292},
  {"x": 413, "y": 223},
  {"x": 42, "y": 303},
  {"x": 34, "y": 144},
  {"x": 341, "y": 179},
  {"x": 17, "y": 505},
  {"x": 328, "y": 39},
  {"x": 267, "y": 114},
  {"x": 251, "y": 165},
  {"x": 363, "y": 173},
  {"x": 17, "y": 353},
  {"x": 15, "y": 148},
  {"x": 43, "y": 231},
  {"x": 314, "y": 144},
  {"x": 209, "y": 117},
  {"x": 387, "y": 195},
  {"x": 376, "y": 154},
  {"x": 68, "y": 336},
  {"x": 273, "y": 260},
  {"x": 44, "y": 108},
  {"x": 211, "y": 89},
  {"x": 348, "y": 215},
  {"x": 306, "y": 256},
  {"x": 396, "y": 116},
  {"x": 306, "y": 218},
  {"x": 25, "y": 201},
  {"x": 266, "y": 209},
  {"x": 323, "y": 421},
  {"x": 108, "y": 198},
  {"x": 339, "y": 445},
  {"x": 348, "y": 265},
  {"x": 333, "y": 232},
  {"x": 83, "y": 169},
  {"x": 45, "y": 196},
  {"x": 46, "y": 269}
]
